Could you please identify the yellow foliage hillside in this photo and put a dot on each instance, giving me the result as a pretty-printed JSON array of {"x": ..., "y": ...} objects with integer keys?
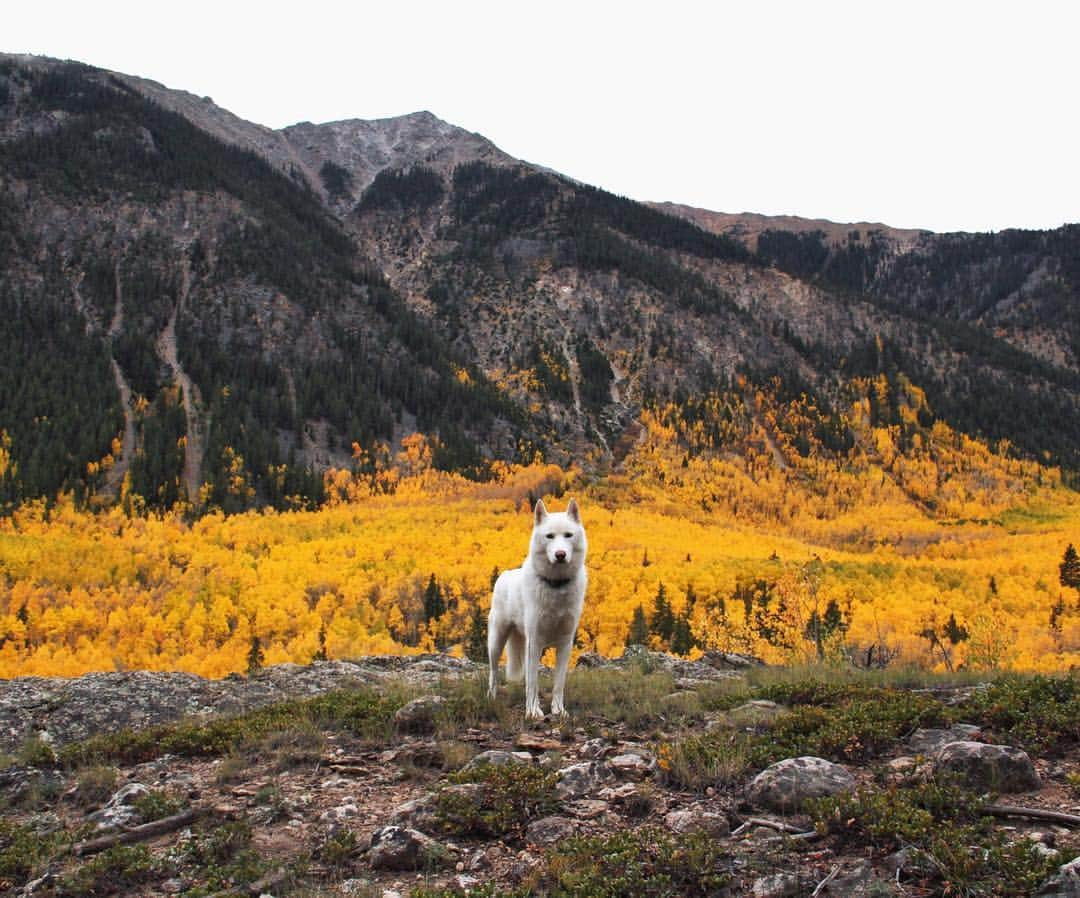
[{"x": 726, "y": 520}]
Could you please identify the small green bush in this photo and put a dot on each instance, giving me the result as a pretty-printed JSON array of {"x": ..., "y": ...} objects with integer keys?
[
  {"x": 94, "y": 785},
  {"x": 113, "y": 872},
  {"x": 1038, "y": 713},
  {"x": 22, "y": 850},
  {"x": 156, "y": 804},
  {"x": 510, "y": 797},
  {"x": 946, "y": 826}
]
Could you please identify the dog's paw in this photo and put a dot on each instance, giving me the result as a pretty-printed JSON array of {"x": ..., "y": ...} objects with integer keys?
[
  {"x": 534, "y": 713},
  {"x": 557, "y": 710}
]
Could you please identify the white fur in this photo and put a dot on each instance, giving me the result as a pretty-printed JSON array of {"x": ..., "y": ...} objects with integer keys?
[{"x": 528, "y": 614}]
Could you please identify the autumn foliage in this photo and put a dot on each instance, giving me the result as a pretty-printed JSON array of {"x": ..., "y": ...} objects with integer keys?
[{"x": 742, "y": 521}]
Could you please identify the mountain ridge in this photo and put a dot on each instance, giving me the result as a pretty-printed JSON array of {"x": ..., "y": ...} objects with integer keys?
[{"x": 344, "y": 284}]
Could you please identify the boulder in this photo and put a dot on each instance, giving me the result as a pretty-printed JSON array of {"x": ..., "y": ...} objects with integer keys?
[
  {"x": 690, "y": 820},
  {"x": 120, "y": 810},
  {"x": 1063, "y": 884},
  {"x": 420, "y": 715},
  {"x": 579, "y": 780},
  {"x": 400, "y": 848},
  {"x": 787, "y": 785},
  {"x": 929, "y": 742},
  {"x": 999, "y": 768},
  {"x": 550, "y": 830}
]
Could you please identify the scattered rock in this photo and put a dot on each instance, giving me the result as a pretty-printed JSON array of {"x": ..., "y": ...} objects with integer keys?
[
  {"x": 494, "y": 758},
  {"x": 635, "y": 765},
  {"x": 578, "y": 780},
  {"x": 1000, "y": 768},
  {"x": 929, "y": 742},
  {"x": 788, "y": 784},
  {"x": 400, "y": 848},
  {"x": 696, "y": 819},
  {"x": 549, "y": 830},
  {"x": 418, "y": 813},
  {"x": 779, "y": 885},
  {"x": 120, "y": 809},
  {"x": 587, "y": 808},
  {"x": 1064, "y": 884},
  {"x": 536, "y": 743},
  {"x": 419, "y": 715}
]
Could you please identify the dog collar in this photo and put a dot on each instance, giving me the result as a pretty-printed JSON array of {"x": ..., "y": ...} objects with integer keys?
[{"x": 556, "y": 584}]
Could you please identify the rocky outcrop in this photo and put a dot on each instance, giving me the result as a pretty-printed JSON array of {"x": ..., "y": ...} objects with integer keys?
[
  {"x": 66, "y": 710},
  {"x": 999, "y": 768},
  {"x": 787, "y": 785}
]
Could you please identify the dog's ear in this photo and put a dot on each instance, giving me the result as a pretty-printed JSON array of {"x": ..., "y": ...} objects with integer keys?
[
  {"x": 573, "y": 512},
  {"x": 540, "y": 512}
]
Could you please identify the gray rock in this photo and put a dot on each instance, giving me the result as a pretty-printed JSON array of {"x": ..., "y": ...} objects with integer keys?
[
  {"x": 418, "y": 813},
  {"x": 1000, "y": 768},
  {"x": 696, "y": 819},
  {"x": 494, "y": 758},
  {"x": 550, "y": 830},
  {"x": 779, "y": 885},
  {"x": 579, "y": 780},
  {"x": 1063, "y": 884},
  {"x": 787, "y": 785},
  {"x": 930, "y": 741},
  {"x": 399, "y": 848},
  {"x": 634, "y": 764},
  {"x": 756, "y": 713},
  {"x": 420, "y": 715},
  {"x": 120, "y": 809}
]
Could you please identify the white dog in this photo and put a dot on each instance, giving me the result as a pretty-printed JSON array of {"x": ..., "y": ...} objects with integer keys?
[{"x": 539, "y": 605}]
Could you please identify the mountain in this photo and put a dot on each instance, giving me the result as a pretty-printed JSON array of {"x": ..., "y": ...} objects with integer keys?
[{"x": 198, "y": 308}]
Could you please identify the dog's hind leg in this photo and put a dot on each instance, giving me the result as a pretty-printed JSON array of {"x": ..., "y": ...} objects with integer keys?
[{"x": 515, "y": 658}]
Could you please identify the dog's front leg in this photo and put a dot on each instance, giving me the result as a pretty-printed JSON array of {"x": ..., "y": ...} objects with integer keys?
[
  {"x": 532, "y": 680},
  {"x": 562, "y": 661}
]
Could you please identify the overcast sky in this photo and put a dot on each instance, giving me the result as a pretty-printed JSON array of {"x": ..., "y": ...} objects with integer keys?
[{"x": 948, "y": 115}]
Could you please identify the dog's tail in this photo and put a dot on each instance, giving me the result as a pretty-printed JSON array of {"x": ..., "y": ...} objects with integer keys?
[{"x": 515, "y": 658}]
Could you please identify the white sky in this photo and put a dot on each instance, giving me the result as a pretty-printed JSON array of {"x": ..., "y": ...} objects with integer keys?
[{"x": 949, "y": 115}]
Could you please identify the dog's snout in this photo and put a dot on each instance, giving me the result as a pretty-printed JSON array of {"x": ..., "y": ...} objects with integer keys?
[{"x": 560, "y": 555}]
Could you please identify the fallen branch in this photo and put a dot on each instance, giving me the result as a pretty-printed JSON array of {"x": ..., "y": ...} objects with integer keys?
[
  {"x": 825, "y": 882},
  {"x": 139, "y": 833},
  {"x": 1008, "y": 810},
  {"x": 766, "y": 822}
]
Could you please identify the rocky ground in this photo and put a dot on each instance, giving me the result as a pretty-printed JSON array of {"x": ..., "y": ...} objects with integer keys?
[{"x": 395, "y": 776}]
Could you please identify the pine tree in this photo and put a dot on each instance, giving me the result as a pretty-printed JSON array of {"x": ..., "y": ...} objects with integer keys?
[
  {"x": 682, "y": 637},
  {"x": 434, "y": 602},
  {"x": 639, "y": 629},
  {"x": 476, "y": 639},
  {"x": 255, "y": 656},
  {"x": 662, "y": 622},
  {"x": 1069, "y": 569}
]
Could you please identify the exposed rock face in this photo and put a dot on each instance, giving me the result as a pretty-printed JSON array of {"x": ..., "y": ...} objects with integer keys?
[
  {"x": 787, "y": 785},
  {"x": 398, "y": 848},
  {"x": 1000, "y": 768},
  {"x": 67, "y": 710},
  {"x": 579, "y": 780}
]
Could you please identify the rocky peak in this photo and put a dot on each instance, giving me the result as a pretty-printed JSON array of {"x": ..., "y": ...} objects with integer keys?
[{"x": 366, "y": 147}]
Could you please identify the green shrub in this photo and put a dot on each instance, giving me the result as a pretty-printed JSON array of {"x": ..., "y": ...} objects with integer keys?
[
  {"x": 634, "y": 864},
  {"x": 113, "y": 872},
  {"x": 509, "y": 797},
  {"x": 1038, "y": 713},
  {"x": 94, "y": 785},
  {"x": 22, "y": 850},
  {"x": 156, "y": 804},
  {"x": 949, "y": 831}
]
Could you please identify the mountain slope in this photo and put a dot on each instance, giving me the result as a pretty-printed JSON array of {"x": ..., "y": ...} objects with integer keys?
[{"x": 279, "y": 302}]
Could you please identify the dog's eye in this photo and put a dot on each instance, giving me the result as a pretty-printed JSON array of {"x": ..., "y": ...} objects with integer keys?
[
  {"x": 569, "y": 535},
  {"x": 551, "y": 536}
]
